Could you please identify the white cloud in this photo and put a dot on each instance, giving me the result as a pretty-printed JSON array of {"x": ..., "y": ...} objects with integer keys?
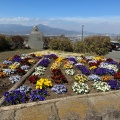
[
  {"x": 14, "y": 19},
  {"x": 110, "y": 19},
  {"x": 107, "y": 24}
]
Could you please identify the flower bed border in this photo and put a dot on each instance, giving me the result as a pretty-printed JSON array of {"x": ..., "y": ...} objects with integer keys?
[{"x": 36, "y": 103}]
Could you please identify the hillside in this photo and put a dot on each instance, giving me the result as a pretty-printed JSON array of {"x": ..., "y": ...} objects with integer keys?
[{"x": 22, "y": 30}]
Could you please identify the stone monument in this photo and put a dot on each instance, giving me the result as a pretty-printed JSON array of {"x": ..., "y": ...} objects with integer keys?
[{"x": 35, "y": 40}]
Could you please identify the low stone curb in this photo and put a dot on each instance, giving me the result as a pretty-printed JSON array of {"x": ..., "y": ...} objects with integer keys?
[{"x": 97, "y": 106}]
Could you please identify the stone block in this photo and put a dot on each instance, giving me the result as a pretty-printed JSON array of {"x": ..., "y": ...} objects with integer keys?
[
  {"x": 73, "y": 109},
  {"x": 40, "y": 112},
  {"x": 7, "y": 115}
]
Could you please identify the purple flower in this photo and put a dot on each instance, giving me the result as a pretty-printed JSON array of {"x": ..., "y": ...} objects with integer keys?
[
  {"x": 59, "y": 89},
  {"x": 112, "y": 62},
  {"x": 47, "y": 56},
  {"x": 72, "y": 59},
  {"x": 38, "y": 95},
  {"x": 119, "y": 66},
  {"x": 44, "y": 62},
  {"x": 110, "y": 71},
  {"x": 14, "y": 97},
  {"x": 103, "y": 71},
  {"x": 99, "y": 71},
  {"x": 50, "y": 56},
  {"x": 114, "y": 84},
  {"x": 83, "y": 69},
  {"x": 17, "y": 58}
]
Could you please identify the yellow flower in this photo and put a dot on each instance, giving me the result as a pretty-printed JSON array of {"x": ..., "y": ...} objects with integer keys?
[
  {"x": 59, "y": 59},
  {"x": 67, "y": 66},
  {"x": 82, "y": 61},
  {"x": 43, "y": 82},
  {"x": 97, "y": 58},
  {"x": 40, "y": 87},
  {"x": 37, "y": 87},
  {"x": 31, "y": 61},
  {"x": 56, "y": 64},
  {"x": 38, "y": 54},
  {"x": 92, "y": 67},
  {"x": 80, "y": 77}
]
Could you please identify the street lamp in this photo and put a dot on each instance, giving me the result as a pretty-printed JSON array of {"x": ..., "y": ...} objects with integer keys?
[{"x": 82, "y": 31}]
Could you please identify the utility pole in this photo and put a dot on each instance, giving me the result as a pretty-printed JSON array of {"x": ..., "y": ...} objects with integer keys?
[{"x": 82, "y": 31}]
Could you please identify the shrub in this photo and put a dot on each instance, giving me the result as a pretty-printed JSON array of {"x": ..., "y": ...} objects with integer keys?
[
  {"x": 17, "y": 41},
  {"x": 61, "y": 43},
  {"x": 98, "y": 44},
  {"x": 54, "y": 45},
  {"x": 79, "y": 47},
  {"x": 4, "y": 43}
]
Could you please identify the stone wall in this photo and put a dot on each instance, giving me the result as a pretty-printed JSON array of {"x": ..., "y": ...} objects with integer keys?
[{"x": 98, "y": 106}]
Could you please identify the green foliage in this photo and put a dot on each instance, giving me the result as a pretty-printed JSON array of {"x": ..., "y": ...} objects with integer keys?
[
  {"x": 12, "y": 42},
  {"x": 4, "y": 43},
  {"x": 79, "y": 47},
  {"x": 98, "y": 44},
  {"x": 54, "y": 45},
  {"x": 61, "y": 43},
  {"x": 17, "y": 41}
]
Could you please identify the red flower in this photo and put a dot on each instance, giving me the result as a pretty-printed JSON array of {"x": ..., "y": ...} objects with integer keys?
[
  {"x": 109, "y": 59},
  {"x": 117, "y": 75},
  {"x": 33, "y": 79},
  {"x": 20, "y": 71},
  {"x": 92, "y": 64},
  {"x": 58, "y": 77},
  {"x": 99, "y": 61},
  {"x": 55, "y": 57},
  {"x": 32, "y": 55}
]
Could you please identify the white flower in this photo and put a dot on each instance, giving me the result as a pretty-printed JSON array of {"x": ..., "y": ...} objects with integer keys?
[
  {"x": 79, "y": 58},
  {"x": 8, "y": 62},
  {"x": 69, "y": 71},
  {"x": 8, "y": 71},
  {"x": 79, "y": 64},
  {"x": 80, "y": 88},
  {"x": 101, "y": 86},
  {"x": 39, "y": 70},
  {"x": 14, "y": 79},
  {"x": 108, "y": 66},
  {"x": 94, "y": 61}
]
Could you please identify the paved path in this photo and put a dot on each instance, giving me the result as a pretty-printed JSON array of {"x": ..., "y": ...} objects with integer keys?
[{"x": 114, "y": 54}]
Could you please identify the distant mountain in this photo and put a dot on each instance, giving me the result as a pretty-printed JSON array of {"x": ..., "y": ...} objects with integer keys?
[{"x": 13, "y": 29}]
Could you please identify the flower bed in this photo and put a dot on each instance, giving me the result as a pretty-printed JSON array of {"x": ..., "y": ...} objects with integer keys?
[
  {"x": 56, "y": 77},
  {"x": 13, "y": 68}
]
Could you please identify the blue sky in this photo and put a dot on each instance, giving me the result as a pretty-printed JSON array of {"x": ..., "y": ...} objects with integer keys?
[{"x": 102, "y": 16}]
